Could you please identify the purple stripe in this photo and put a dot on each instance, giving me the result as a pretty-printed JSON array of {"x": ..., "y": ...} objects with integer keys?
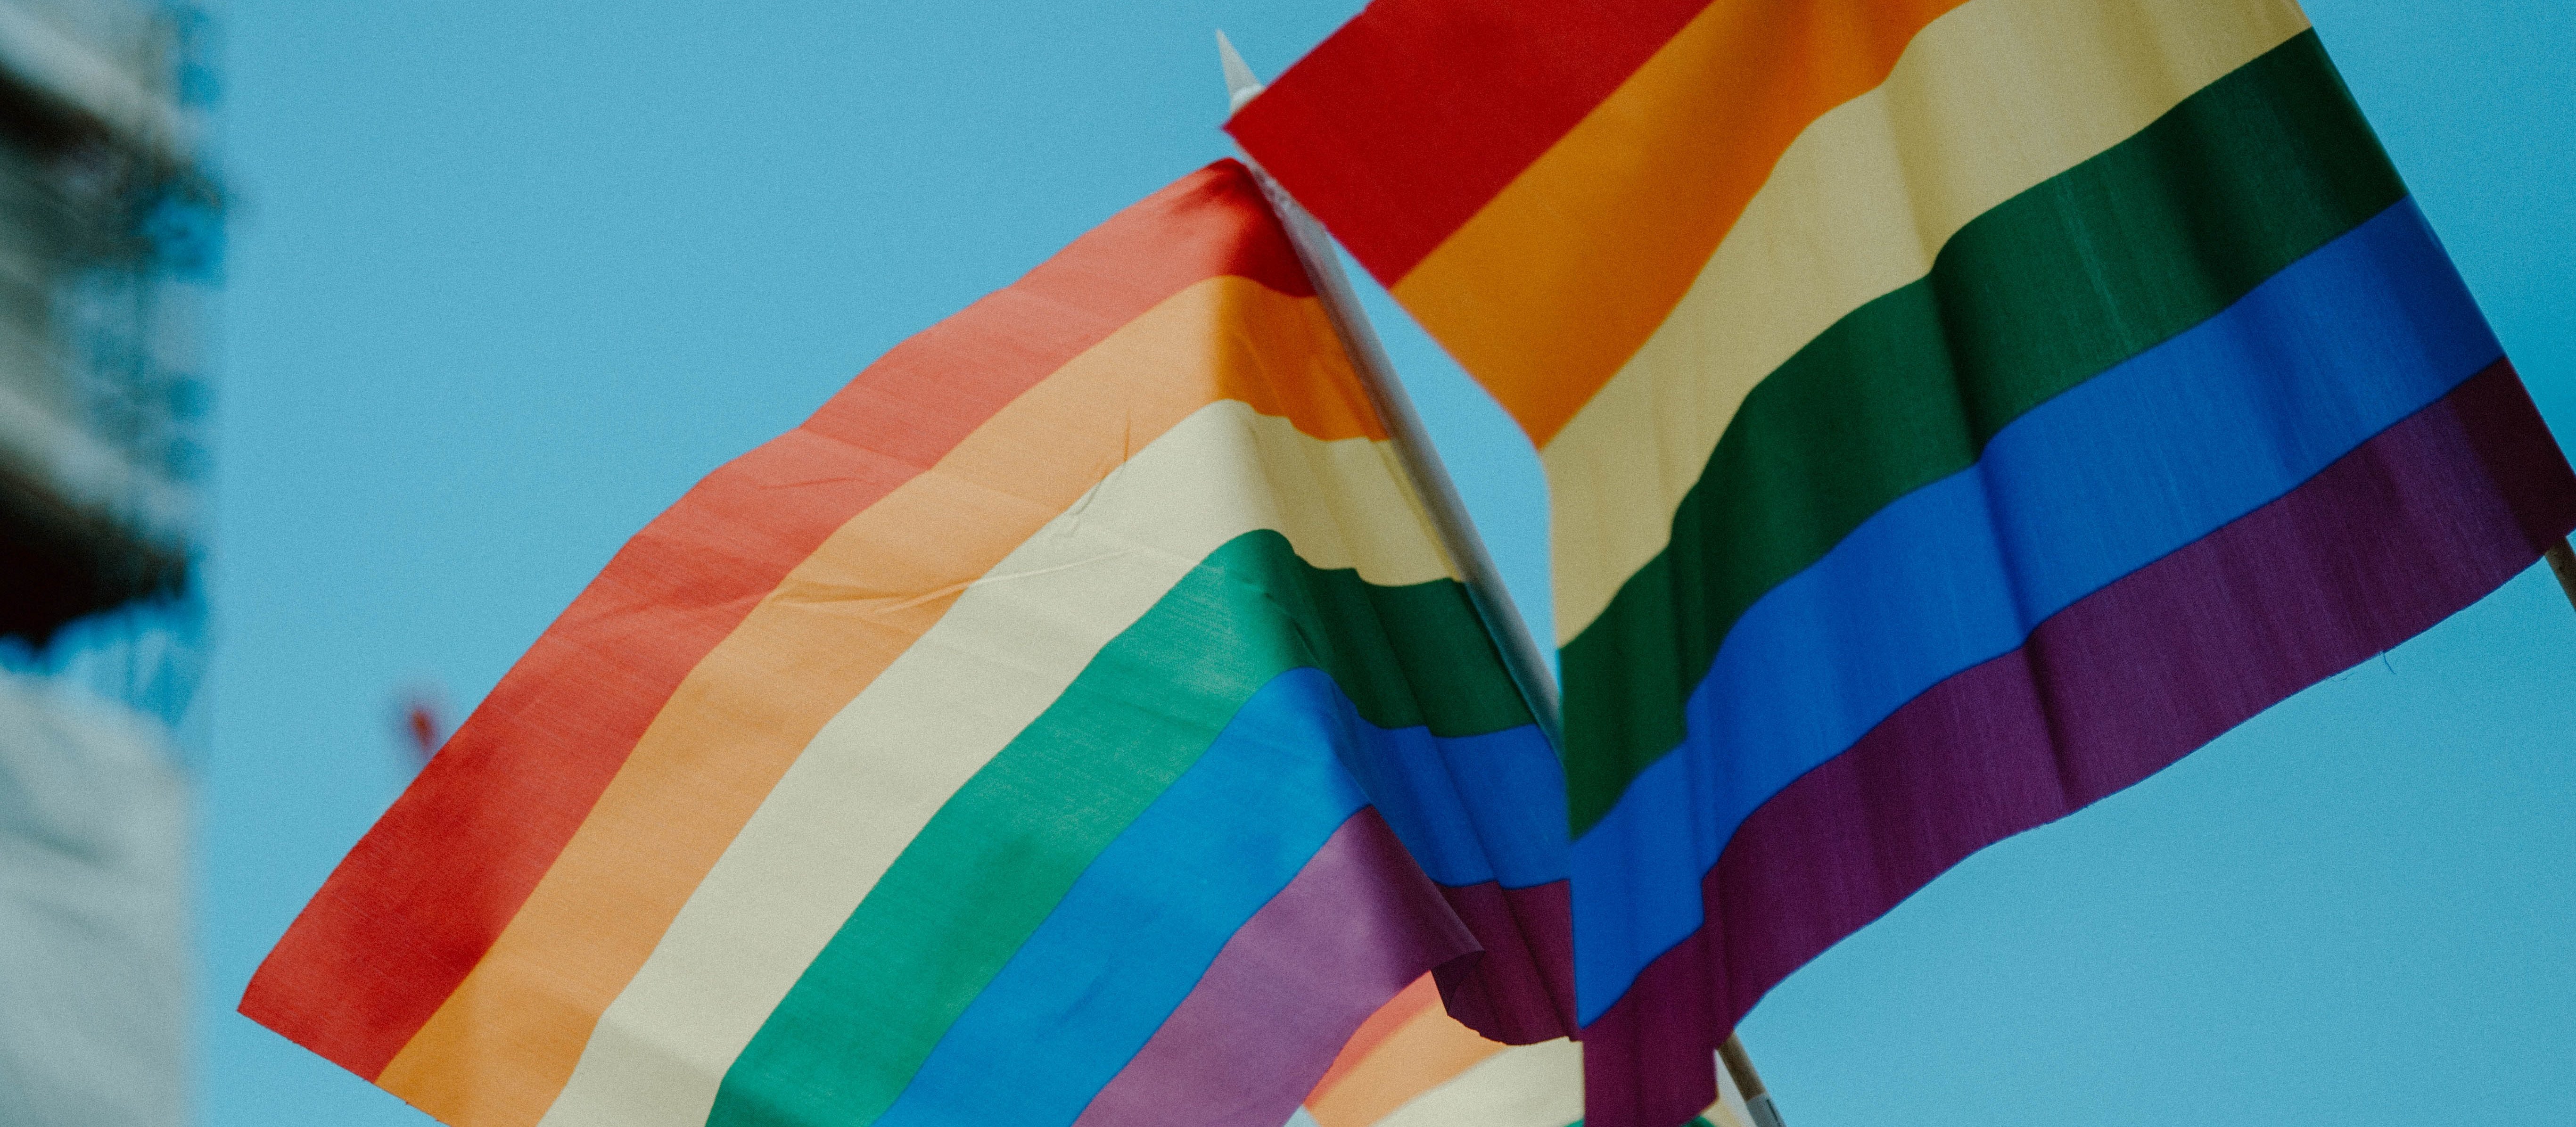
[
  {"x": 1524, "y": 994},
  {"x": 1359, "y": 923},
  {"x": 2406, "y": 530}
]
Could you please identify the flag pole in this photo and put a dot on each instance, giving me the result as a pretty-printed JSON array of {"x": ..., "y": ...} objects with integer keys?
[
  {"x": 1458, "y": 534},
  {"x": 1748, "y": 1083},
  {"x": 2562, "y": 559}
]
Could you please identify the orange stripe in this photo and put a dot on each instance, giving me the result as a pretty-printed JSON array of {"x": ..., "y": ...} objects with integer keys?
[
  {"x": 1428, "y": 1049},
  {"x": 1550, "y": 288},
  {"x": 1424, "y": 993},
  {"x": 505, "y": 1042},
  {"x": 422, "y": 896}
]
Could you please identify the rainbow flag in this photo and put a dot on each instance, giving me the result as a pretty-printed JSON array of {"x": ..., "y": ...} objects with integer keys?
[
  {"x": 1076, "y": 721},
  {"x": 1412, "y": 1065},
  {"x": 1954, "y": 412}
]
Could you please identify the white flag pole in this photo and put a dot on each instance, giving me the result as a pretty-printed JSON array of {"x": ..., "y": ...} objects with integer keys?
[
  {"x": 1739, "y": 1067},
  {"x": 1458, "y": 534}
]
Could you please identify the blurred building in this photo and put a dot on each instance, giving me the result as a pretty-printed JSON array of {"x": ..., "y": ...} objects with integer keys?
[
  {"x": 99, "y": 396},
  {"x": 108, "y": 225},
  {"x": 93, "y": 937}
]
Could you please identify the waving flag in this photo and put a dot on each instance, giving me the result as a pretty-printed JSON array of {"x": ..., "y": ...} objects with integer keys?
[
  {"x": 1076, "y": 721},
  {"x": 1412, "y": 1065},
  {"x": 1955, "y": 411}
]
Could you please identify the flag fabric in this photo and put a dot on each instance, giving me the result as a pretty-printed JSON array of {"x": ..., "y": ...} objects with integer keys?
[
  {"x": 1075, "y": 721},
  {"x": 1954, "y": 411},
  {"x": 1412, "y": 1065}
]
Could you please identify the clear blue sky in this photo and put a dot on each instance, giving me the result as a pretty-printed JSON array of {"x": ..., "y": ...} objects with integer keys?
[{"x": 508, "y": 277}]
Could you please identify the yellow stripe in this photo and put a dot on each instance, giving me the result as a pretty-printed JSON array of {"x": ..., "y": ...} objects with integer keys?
[
  {"x": 877, "y": 772},
  {"x": 1530, "y": 1086},
  {"x": 499, "y": 1048},
  {"x": 1561, "y": 275},
  {"x": 1729, "y": 1110},
  {"x": 1989, "y": 101}
]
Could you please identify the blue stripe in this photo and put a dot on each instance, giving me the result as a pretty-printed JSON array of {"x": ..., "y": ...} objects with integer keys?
[
  {"x": 1132, "y": 936},
  {"x": 2106, "y": 478},
  {"x": 1471, "y": 809}
]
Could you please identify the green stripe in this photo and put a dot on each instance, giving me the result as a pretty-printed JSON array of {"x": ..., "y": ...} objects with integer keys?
[
  {"x": 2046, "y": 291},
  {"x": 994, "y": 861}
]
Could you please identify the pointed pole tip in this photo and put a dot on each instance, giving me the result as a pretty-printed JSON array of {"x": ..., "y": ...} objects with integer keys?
[{"x": 1240, "y": 85}]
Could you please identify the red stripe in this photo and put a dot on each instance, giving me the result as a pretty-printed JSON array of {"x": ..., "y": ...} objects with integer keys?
[
  {"x": 1404, "y": 123},
  {"x": 431, "y": 887},
  {"x": 2414, "y": 525}
]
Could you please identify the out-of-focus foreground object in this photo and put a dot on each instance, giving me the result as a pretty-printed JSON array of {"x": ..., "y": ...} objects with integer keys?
[
  {"x": 1954, "y": 412},
  {"x": 420, "y": 723},
  {"x": 108, "y": 231}
]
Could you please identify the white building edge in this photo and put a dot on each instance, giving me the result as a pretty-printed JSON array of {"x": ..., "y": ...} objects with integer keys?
[{"x": 93, "y": 936}]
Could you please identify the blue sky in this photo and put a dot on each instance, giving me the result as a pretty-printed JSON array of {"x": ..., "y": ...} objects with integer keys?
[{"x": 506, "y": 278}]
